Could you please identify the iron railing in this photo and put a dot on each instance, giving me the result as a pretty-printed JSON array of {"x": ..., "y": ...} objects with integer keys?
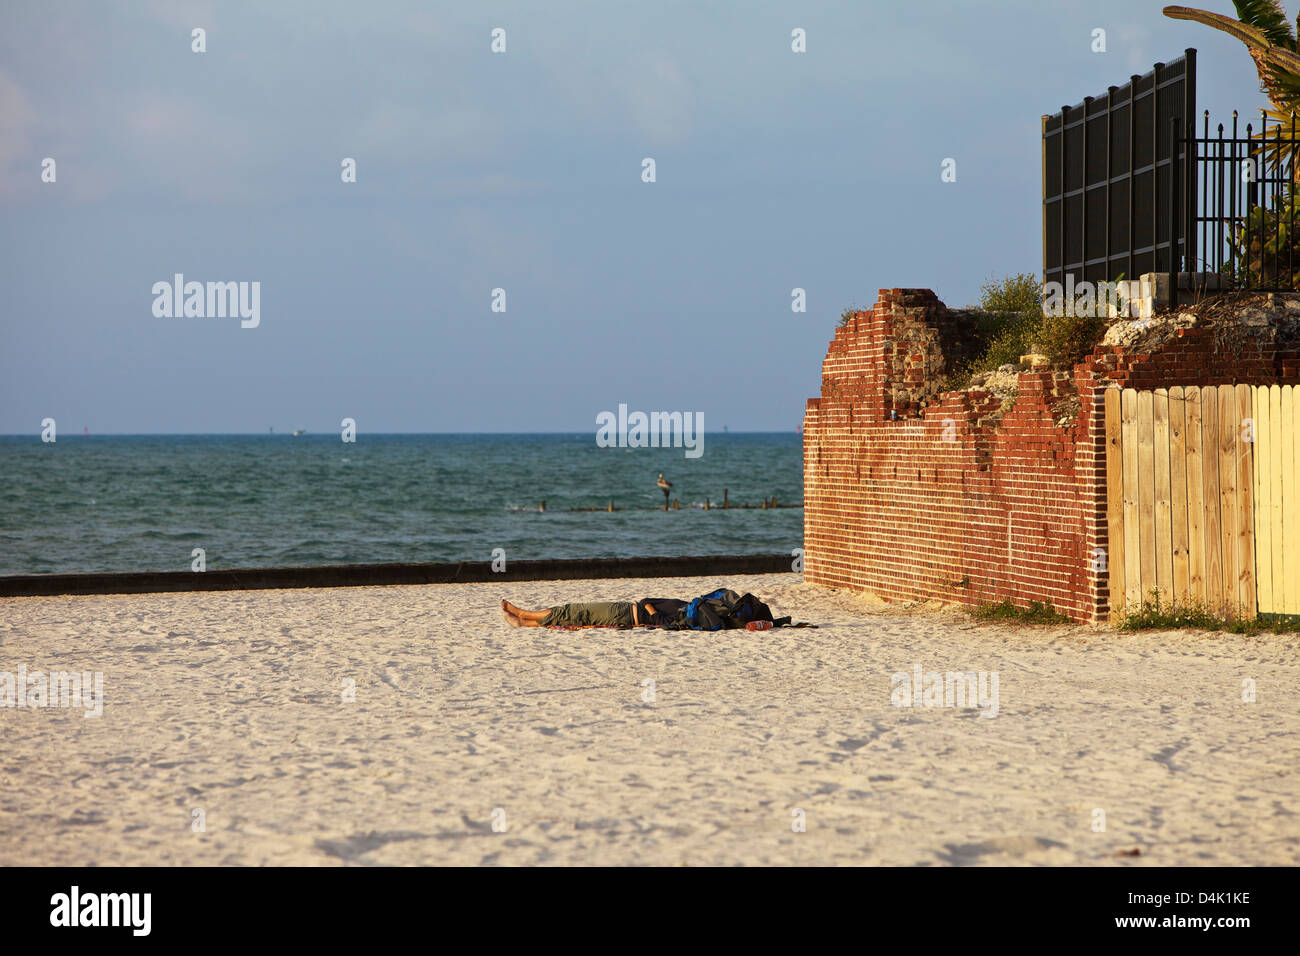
[{"x": 1245, "y": 215}]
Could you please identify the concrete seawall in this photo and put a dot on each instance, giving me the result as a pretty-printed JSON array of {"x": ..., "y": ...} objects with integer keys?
[{"x": 369, "y": 575}]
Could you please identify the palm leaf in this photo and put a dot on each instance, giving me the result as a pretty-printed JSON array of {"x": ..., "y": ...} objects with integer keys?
[
  {"x": 1277, "y": 148},
  {"x": 1273, "y": 60},
  {"x": 1280, "y": 56},
  {"x": 1252, "y": 36},
  {"x": 1269, "y": 17},
  {"x": 1288, "y": 61},
  {"x": 1287, "y": 95}
]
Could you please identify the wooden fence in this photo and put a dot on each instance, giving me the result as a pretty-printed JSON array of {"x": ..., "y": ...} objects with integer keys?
[
  {"x": 1277, "y": 504},
  {"x": 1201, "y": 498}
]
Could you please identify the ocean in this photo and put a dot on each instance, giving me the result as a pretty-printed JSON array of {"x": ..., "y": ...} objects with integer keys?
[{"x": 137, "y": 503}]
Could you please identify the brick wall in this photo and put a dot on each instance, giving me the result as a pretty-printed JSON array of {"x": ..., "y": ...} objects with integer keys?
[{"x": 914, "y": 493}]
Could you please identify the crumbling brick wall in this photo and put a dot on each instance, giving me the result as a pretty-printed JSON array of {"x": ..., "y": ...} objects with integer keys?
[{"x": 915, "y": 493}]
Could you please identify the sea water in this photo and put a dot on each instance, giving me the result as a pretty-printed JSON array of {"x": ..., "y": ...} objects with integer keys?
[{"x": 136, "y": 503}]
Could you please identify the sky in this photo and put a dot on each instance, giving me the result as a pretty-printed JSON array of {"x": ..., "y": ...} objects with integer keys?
[{"x": 521, "y": 171}]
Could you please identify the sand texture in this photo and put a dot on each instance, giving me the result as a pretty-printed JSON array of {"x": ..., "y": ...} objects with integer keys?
[{"x": 470, "y": 742}]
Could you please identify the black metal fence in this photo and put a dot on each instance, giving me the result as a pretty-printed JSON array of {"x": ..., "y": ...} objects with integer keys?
[
  {"x": 1109, "y": 166},
  {"x": 1245, "y": 214}
]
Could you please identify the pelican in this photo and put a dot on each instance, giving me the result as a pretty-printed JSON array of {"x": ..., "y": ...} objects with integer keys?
[{"x": 664, "y": 485}]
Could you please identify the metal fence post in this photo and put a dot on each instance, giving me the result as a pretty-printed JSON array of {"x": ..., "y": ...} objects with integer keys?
[{"x": 1173, "y": 212}]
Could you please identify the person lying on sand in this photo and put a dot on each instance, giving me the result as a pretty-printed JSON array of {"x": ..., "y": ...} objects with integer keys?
[
  {"x": 649, "y": 612},
  {"x": 715, "y": 611}
]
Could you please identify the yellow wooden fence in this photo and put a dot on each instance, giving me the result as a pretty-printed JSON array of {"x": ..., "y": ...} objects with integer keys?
[{"x": 1201, "y": 498}]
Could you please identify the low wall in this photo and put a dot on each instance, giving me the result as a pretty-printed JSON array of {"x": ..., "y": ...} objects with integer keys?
[{"x": 370, "y": 575}]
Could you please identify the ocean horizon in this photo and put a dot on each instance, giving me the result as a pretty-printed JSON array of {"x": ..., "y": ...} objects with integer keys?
[{"x": 145, "y": 502}]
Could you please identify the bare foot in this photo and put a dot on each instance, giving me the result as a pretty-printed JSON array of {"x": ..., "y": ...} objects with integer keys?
[{"x": 510, "y": 618}]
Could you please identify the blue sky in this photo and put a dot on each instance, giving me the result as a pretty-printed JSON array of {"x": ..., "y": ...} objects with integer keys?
[{"x": 519, "y": 171}]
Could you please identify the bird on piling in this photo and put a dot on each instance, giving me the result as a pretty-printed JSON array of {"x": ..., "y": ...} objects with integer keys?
[{"x": 664, "y": 485}]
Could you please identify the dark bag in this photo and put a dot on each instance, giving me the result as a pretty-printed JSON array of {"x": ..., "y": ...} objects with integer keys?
[{"x": 724, "y": 609}]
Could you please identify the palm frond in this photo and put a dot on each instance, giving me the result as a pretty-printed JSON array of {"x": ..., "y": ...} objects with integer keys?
[
  {"x": 1280, "y": 83},
  {"x": 1268, "y": 16},
  {"x": 1252, "y": 36},
  {"x": 1280, "y": 59},
  {"x": 1278, "y": 149},
  {"x": 1274, "y": 62},
  {"x": 1286, "y": 95}
]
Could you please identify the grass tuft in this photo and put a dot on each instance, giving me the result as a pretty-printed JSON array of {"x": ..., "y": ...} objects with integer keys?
[
  {"x": 1157, "y": 615},
  {"x": 1038, "y": 612}
]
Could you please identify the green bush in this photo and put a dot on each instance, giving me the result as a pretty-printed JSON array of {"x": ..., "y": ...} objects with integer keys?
[
  {"x": 1014, "y": 338},
  {"x": 1067, "y": 340},
  {"x": 1016, "y": 326},
  {"x": 1016, "y": 293},
  {"x": 1157, "y": 614},
  {"x": 1267, "y": 244},
  {"x": 1038, "y": 612}
]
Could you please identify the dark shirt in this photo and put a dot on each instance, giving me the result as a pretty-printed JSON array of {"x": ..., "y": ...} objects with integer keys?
[{"x": 668, "y": 613}]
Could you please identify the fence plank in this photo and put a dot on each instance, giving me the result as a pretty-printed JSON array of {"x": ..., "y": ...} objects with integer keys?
[
  {"x": 1195, "y": 498},
  {"x": 1264, "y": 452},
  {"x": 1178, "y": 491},
  {"x": 1146, "y": 496},
  {"x": 1228, "y": 495},
  {"x": 1275, "y": 523},
  {"x": 1114, "y": 504},
  {"x": 1132, "y": 563},
  {"x": 1246, "y": 597},
  {"x": 1210, "y": 476},
  {"x": 1162, "y": 495},
  {"x": 1289, "y": 459}
]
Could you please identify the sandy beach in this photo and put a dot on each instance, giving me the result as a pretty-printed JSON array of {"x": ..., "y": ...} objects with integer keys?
[{"x": 470, "y": 742}]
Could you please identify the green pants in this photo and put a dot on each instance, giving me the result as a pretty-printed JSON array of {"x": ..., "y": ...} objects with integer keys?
[{"x": 591, "y": 614}]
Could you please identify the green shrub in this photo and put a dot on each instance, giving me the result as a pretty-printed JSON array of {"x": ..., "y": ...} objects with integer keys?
[
  {"x": 1267, "y": 244},
  {"x": 1038, "y": 612},
  {"x": 1014, "y": 338},
  {"x": 1017, "y": 293},
  {"x": 1017, "y": 327},
  {"x": 1156, "y": 614},
  {"x": 1067, "y": 340}
]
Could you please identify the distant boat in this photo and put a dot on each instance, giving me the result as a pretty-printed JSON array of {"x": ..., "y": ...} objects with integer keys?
[{"x": 299, "y": 431}]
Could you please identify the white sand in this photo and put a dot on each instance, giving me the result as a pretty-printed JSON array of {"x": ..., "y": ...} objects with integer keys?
[{"x": 231, "y": 702}]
